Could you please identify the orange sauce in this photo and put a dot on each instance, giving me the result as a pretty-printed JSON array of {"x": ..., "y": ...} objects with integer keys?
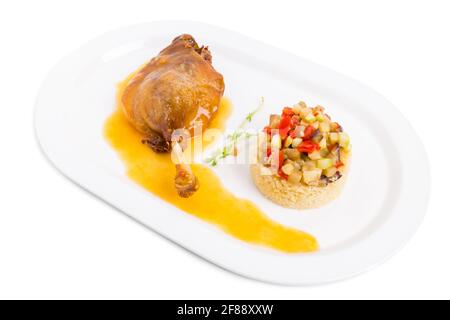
[{"x": 212, "y": 202}]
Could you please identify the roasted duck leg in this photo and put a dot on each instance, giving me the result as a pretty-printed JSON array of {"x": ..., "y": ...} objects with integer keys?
[{"x": 177, "y": 89}]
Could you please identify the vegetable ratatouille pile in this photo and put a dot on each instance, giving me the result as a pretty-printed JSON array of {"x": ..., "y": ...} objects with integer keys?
[{"x": 305, "y": 146}]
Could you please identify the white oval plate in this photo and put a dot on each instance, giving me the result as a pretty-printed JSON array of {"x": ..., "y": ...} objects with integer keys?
[{"x": 381, "y": 207}]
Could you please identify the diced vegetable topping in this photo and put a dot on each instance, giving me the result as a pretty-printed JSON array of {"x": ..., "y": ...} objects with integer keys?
[
  {"x": 310, "y": 118},
  {"x": 308, "y": 146},
  {"x": 309, "y": 131},
  {"x": 288, "y": 142},
  {"x": 315, "y": 155},
  {"x": 296, "y": 142},
  {"x": 324, "y": 163},
  {"x": 305, "y": 146},
  {"x": 344, "y": 140},
  {"x": 312, "y": 176},
  {"x": 334, "y": 137},
  {"x": 287, "y": 168},
  {"x": 329, "y": 172}
]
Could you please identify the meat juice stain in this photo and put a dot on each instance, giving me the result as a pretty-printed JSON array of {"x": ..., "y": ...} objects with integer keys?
[{"x": 155, "y": 172}]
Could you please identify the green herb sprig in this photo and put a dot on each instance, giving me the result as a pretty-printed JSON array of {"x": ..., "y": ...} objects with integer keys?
[{"x": 233, "y": 138}]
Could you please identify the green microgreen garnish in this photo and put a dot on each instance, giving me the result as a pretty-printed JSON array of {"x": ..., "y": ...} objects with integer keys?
[{"x": 233, "y": 139}]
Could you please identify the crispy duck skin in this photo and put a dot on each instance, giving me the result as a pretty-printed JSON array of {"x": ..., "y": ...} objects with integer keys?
[{"x": 176, "y": 90}]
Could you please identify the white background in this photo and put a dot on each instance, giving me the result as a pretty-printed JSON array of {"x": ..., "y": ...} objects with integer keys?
[{"x": 57, "y": 241}]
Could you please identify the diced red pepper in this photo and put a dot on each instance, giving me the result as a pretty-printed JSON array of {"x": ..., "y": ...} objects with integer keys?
[
  {"x": 284, "y": 132},
  {"x": 293, "y": 134},
  {"x": 285, "y": 122},
  {"x": 287, "y": 111},
  {"x": 267, "y": 130},
  {"x": 309, "y": 131},
  {"x": 268, "y": 151},
  {"x": 308, "y": 146},
  {"x": 280, "y": 158},
  {"x": 339, "y": 164}
]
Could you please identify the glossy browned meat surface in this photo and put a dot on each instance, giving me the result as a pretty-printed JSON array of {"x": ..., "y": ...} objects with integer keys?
[{"x": 175, "y": 89}]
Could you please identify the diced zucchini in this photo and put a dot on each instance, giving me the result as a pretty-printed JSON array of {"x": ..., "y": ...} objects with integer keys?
[
  {"x": 324, "y": 163},
  {"x": 310, "y": 118},
  {"x": 276, "y": 142},
  {"x": 296, "y": 142},
  {"x": 287, "y": 168},
  {"x": 312, "y": 176},
  {"x": 323, "y": 143},
  {"x": 315, "y": 155},
  {"x": 344, "y": 140},
  {"x": 324, "y": 127},
  {"x": 329, "y": 172},
  {"x": 334, "y": 137},
  {"x": 288, "y": 141},
  {"x": 309, "y": 165},
  {"x": 348, "y": 148},
  {"x": 320, "y": 117}
]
